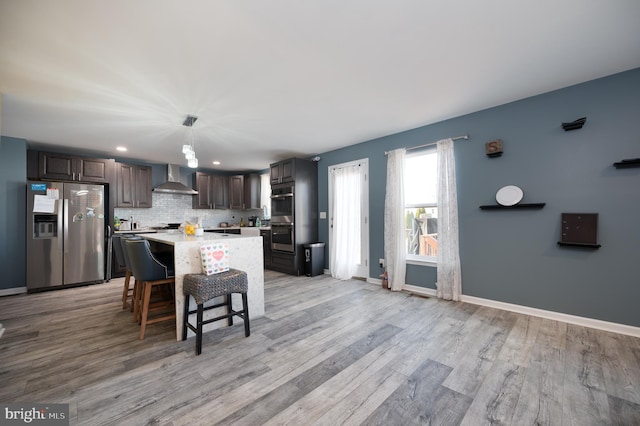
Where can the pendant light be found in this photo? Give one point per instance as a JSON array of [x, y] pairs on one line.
[[189, 149]]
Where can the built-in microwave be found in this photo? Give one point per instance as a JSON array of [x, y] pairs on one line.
[[282, 204], [283, 237]]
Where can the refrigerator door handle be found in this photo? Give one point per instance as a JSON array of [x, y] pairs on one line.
[[60, 224], [66, 225]]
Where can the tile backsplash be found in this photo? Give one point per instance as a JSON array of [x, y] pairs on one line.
[[177, 208]]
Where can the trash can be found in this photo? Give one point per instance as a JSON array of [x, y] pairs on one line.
[[314, 259]]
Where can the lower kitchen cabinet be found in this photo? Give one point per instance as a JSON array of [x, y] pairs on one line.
[[224, 231], [289, 263], [266, 247], [117, 270]]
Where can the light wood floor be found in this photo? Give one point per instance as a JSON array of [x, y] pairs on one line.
[[327, 352]]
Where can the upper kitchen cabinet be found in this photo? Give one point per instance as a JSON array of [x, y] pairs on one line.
[[133, 186], [54, 166], [252, 191], [236, 192], [283, 171], [213, 191]]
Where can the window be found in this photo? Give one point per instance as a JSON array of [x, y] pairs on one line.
[[421, 205], [265, 195]]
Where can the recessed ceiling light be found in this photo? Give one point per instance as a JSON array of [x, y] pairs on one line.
[[216, 163], [121, 148]]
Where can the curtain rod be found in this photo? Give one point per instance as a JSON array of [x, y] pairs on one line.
[[433, 143]]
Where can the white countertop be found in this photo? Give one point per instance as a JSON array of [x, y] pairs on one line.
[[213, 228], [174, 238], [206, 229]]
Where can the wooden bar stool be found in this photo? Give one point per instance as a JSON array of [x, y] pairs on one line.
[[150, 272], [206, 287], [122, 259]]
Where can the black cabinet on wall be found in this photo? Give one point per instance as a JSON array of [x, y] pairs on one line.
[[64, 167], [133, 186], [252, 189], [236, 192], [283, 171], [213, 191]]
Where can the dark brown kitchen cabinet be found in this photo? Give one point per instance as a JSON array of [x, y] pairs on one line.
[[252, 189], [65, 167], [236, 192], [266, 247], [283, 171], [213, 191], [288, 263], [220, 192], [296, 224], [202, 185], [133, 186]]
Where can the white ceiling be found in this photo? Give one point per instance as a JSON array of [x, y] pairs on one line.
[[280, 78]]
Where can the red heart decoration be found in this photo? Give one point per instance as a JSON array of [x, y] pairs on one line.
[[217, 255]]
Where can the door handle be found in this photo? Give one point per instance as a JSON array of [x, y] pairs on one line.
[[61, 213], [66, 225]]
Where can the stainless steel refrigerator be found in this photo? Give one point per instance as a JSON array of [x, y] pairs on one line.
[[65, 234]]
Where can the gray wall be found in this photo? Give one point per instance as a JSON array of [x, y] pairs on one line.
[[512, 256], [13, 178]]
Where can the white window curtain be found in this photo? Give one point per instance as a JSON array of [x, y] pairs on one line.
[[449, 277], [395, 254], [345, 222]]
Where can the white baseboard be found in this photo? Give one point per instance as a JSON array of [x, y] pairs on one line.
[[12, 291], [557, 316]]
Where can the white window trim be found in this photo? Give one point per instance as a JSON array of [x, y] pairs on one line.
[[413, 259]]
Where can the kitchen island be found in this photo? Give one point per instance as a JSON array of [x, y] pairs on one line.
[[245, 254]]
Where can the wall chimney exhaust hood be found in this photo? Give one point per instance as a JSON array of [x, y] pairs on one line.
[[173, 184]]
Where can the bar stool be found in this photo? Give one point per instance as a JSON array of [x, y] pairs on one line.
[[204, 288], [122, 260], [135, 294], [149, 272]]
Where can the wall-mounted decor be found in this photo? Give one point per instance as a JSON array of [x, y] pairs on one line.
[[509, 197], [530, 206], [625, 164], [493, 148], [573, 125], [580, 230]]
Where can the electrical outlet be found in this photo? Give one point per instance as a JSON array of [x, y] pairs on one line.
[[381, 262]]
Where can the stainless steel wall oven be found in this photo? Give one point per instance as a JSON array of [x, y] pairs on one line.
[[283, 237], [282, 204]]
